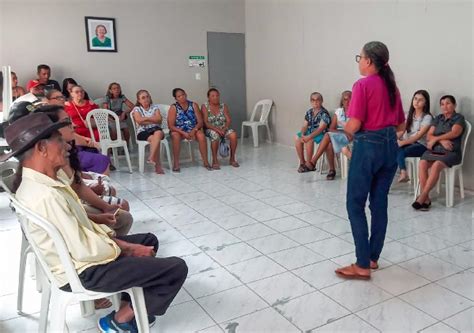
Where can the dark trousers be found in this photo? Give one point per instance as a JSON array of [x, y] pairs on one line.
[[160, 278], [373, 166], [414, 150]]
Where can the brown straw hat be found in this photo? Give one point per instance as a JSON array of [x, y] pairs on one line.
[[25, 132]]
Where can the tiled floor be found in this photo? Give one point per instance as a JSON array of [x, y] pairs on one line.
[[262, 243]]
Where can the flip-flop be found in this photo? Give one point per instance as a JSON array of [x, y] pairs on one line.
[[216, 167], [302, 168], [350, 273], [235, 164], [208, 167], [176, 169], [311, 167], [159, 170]]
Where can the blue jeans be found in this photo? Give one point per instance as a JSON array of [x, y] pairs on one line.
[[414, 150], [373, 166]]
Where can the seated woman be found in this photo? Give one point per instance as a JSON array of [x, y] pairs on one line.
[[335, 140], [412, 142], [90, 158], [217, 120], [185, 122], [316, 123], [444, 149], [147, 116], [17, 91], [115, 101], [68, 84]]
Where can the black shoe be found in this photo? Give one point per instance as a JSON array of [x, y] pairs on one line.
[[425, 206], [111, 167], [417, 206]]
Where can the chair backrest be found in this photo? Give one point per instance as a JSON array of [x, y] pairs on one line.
[[465, 138], [8, 170], [101, 119], [25, 217], [164, 108], [266, 107], [99, 101]]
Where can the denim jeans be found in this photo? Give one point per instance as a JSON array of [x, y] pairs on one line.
[[414, 150], [373, 166]]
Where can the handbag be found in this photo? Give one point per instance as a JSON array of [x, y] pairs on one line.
[[224, 148]]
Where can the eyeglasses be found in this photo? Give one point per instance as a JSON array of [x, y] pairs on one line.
[[59, 98], [358, 57]]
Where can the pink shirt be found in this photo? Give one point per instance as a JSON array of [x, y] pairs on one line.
[[370, 104]]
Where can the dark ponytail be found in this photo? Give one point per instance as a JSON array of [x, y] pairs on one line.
[[378, 53]]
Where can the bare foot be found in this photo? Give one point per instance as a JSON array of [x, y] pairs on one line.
[[235, 164], [403, 177], [102, 303], [216, 166]]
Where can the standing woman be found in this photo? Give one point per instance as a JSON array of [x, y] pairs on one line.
[[376, 114]]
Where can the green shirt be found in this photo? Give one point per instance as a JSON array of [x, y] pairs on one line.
[[106, 43]]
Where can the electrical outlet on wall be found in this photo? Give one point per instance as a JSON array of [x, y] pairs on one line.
[[197, 76]]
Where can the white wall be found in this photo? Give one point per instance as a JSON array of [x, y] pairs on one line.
[[295, 47], [154, 37]]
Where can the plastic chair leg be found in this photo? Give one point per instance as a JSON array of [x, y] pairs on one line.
[[461, 183], [59, 303], [141, 158], [87, 308], [449, 188], [45, 298], [115, 157], [242, 135], [255, 136], [168, 155], [21, 274], [127, 156], [141, 315], [269, 133]]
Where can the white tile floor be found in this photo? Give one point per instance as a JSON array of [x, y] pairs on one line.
[[262, 243]]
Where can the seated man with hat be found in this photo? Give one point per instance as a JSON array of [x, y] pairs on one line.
[[102, 261]]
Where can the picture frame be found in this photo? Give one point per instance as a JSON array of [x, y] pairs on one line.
[[100, 34]]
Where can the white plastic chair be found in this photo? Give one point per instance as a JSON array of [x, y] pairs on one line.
[[61, 299], [7, 176], [266, 106], [412, 166], [101, 118], [450, 173], [143, 143]]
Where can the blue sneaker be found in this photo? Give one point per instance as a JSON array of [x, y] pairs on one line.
[[107, 324]]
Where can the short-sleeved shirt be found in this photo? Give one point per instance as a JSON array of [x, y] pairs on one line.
[[443, 126], [417, 124], [152, 110], [370, 103], [342, 117], [51, 84], [186, 120], [314, 120]]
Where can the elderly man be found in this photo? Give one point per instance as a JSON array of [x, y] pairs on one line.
[[103, 262]]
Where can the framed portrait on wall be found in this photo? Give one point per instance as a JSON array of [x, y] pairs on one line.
[[100, 34]]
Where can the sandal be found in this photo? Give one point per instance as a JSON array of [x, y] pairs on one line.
[[176, 169], [216, 166], [208, 167], [331, 175], [310, 166], [350, 272], [235, 164], [302, 168]]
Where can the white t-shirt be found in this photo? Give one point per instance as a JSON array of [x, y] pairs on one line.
[[416, 126]]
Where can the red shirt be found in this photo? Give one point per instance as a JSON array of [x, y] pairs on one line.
[[78, 116], [370, 103]]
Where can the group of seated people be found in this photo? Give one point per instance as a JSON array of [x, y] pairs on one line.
[[185, 120], [436, 140], [50, 182]]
